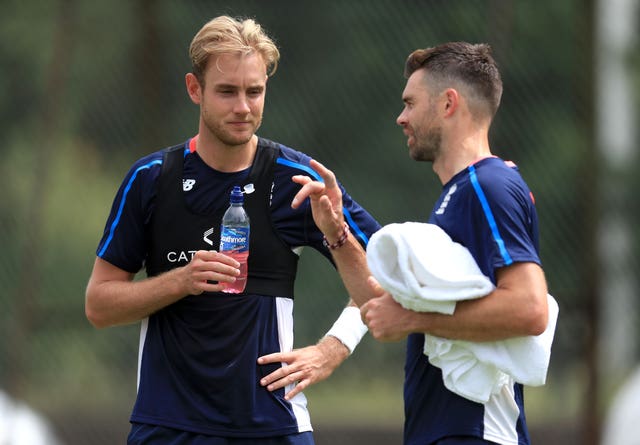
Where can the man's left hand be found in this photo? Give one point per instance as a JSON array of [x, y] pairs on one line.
[[304, 367], [325, 198]]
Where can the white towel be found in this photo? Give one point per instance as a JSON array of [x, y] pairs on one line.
[[425, 271], [423, 268]]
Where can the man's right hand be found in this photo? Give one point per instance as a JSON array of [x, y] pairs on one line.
[[205, 267]]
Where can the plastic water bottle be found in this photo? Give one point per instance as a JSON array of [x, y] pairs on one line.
[[234, 239]]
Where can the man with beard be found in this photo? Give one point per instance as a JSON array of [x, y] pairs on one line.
[[451, 96], [206, 371]]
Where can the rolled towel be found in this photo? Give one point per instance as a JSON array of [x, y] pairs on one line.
[[423, 268], [425, 271]]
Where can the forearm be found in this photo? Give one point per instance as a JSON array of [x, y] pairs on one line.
[[113, 302], [517, 307], [484, 319], [351, 263], [113, 298], [350, 259]]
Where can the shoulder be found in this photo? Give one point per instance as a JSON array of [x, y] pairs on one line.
[[501, 192], [496, 177], [494, 169], [147, 166], [290, 160]]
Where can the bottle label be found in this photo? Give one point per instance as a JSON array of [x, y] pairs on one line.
[[234, 239]]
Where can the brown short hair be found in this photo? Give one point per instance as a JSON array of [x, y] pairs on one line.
[[470, 64]]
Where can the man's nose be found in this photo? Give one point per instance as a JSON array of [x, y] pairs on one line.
[[401, 120], [242, 105]]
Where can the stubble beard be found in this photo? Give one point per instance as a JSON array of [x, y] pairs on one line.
[[227, 137], [428, 148]]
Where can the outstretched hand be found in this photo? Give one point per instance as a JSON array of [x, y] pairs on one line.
[[325, 198]]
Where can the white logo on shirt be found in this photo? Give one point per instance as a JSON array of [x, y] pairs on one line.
[[187, 184], [206, 236], [447, 198]]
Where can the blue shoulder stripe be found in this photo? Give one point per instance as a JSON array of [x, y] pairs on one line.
[[116, 220], [305, 168], [489, 215], [317, 177]]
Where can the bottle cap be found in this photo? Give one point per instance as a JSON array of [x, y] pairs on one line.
[[236, 195]]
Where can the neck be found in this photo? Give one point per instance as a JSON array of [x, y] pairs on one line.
[[458, 154], [226, 158]]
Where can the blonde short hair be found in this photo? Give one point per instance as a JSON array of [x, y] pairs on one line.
[[227, 35]]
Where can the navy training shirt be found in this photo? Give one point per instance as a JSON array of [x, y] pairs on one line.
[[489, 209], [197, 364]]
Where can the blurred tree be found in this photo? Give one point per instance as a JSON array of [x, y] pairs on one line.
[[49, 123]]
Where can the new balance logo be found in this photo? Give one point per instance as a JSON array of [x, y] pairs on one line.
[[187, 184], [206, 236]]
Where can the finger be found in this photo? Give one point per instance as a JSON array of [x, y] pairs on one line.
[[204, 286], [328, 218], [279, 373], [309, 189], [212, 271], [275, 376], [206, 256], [225, 259], [327, 175], [301, 179], [290, 379], [275, 357], [217, 268], [209, 276], [199, 287], [281, 377], [297, 389], [364, 309], [325, 204]]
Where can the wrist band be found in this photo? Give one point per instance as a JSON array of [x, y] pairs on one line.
[[341, 240], [349, 328]]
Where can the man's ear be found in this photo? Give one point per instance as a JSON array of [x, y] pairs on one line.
[[452, 101], [193, 88]]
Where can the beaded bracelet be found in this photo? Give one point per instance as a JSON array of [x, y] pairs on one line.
[[341, 240]]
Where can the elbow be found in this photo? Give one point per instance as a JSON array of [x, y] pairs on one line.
[[538, 318], [94, 318], [93, 314], [538, 327]]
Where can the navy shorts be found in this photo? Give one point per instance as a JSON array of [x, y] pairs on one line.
[[142, 434], [463, 440]]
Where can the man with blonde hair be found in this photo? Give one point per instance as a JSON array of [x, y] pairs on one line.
[[218, 368]]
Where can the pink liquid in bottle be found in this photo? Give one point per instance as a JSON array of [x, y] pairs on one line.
[[241, 280]]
